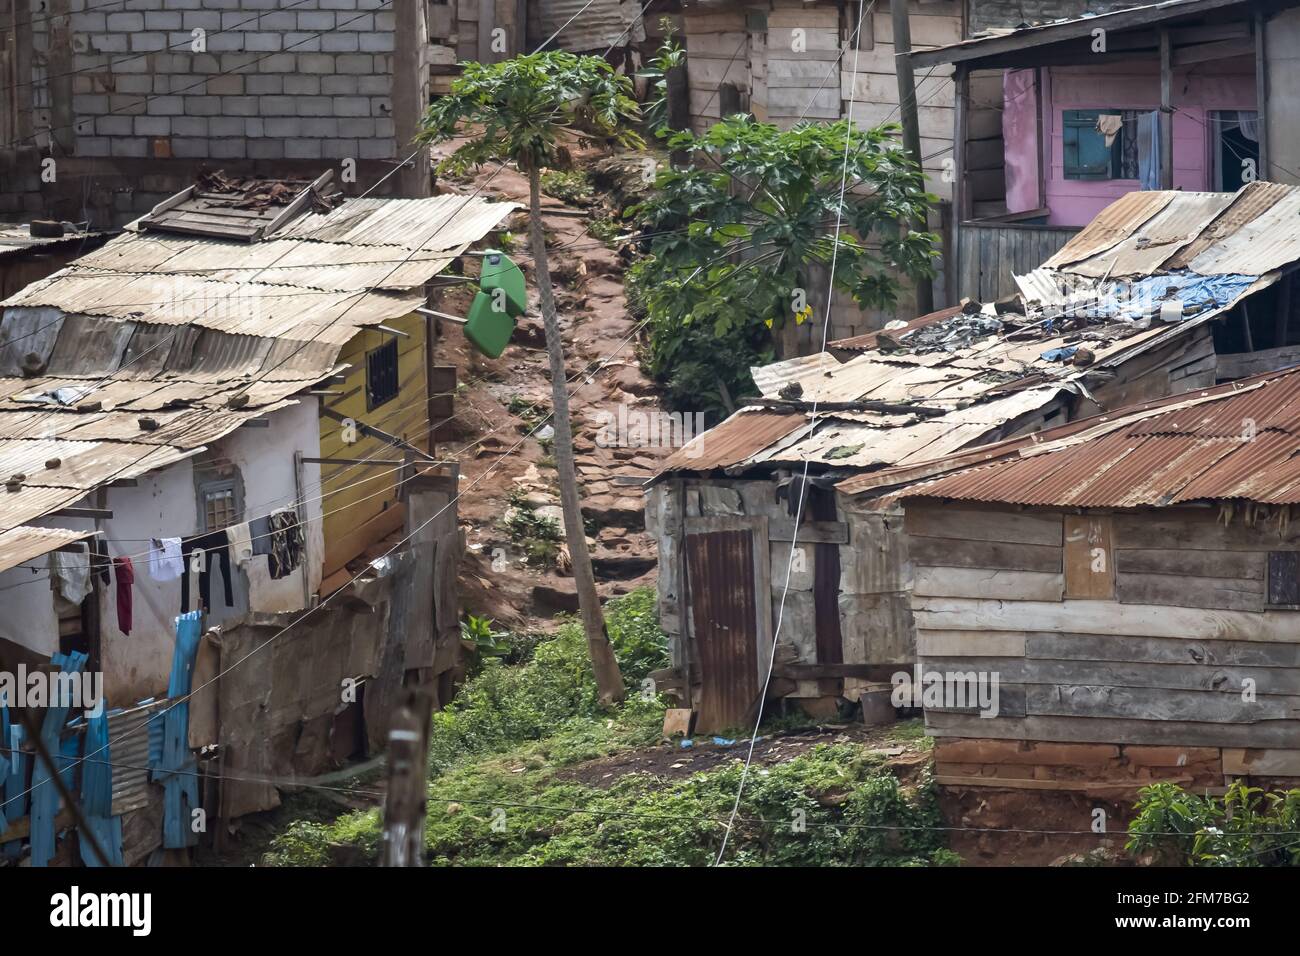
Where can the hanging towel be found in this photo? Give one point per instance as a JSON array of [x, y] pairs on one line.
[[71, 571], [165, 559], [241, 543], [125, 575]]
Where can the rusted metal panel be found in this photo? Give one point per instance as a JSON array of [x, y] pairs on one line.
[[1269, 241], [732, 441], [725, 627], [1253, 200], [1230, 442], [585, 26]]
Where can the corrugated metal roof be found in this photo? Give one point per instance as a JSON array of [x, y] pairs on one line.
[[732, 441], [173, 327], [16, 240], [962, 377], [22, 544], [1238, 441]]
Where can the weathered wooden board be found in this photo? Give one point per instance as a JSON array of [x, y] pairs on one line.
[[1089, 557], [1231, 594], [1204, 564], [955, 553], [1199, 677], [1197, 529], [1262, 763], [1091, 700], [930, 522], [969, 644], [1008, 702], [990, 584], [1266, 734], [1104, 617], [1159, 650]]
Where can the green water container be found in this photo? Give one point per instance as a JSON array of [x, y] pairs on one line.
[[487, 328], [500, 273]]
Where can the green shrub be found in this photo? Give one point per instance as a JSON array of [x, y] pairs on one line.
[[1247, 826]]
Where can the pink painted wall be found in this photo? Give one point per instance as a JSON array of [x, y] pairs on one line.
[[1020, 139], [1219, 85]]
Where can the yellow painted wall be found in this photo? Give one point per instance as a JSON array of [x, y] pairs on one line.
[[361, 506]]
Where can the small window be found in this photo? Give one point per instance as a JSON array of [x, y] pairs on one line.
[[220, 509], [1102, 144], [1284, 579], [381, 374]]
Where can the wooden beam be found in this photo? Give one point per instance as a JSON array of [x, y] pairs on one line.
[[1261, 93], [1036, 37], [83, 513], [378, 462], [1166, 115], [1205, 52]]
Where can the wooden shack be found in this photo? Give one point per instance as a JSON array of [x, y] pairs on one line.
[[1132, 581]]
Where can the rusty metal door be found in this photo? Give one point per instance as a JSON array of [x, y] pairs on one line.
[[720, 568]]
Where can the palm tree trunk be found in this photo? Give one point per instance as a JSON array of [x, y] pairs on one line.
[[609, 681]]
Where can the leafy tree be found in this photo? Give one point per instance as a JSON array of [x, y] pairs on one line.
[[739, 235], [524, 110]]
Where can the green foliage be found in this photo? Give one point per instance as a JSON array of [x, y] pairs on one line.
[[536, 535], [606, 229], [743, 231], [522, 107], [1247, 826], [571, 186], [670, 55]]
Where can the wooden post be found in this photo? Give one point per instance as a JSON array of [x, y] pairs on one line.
[[907, 109], [1261, 94], [1166, 111], [679, 109], [961, 210]]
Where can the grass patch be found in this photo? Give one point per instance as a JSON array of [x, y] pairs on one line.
[[569, 186], [499, 795]]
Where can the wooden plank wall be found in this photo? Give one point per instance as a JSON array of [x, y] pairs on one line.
[[875, 92], [992, 253], [367, 509], [717, 46], [1165, 653]]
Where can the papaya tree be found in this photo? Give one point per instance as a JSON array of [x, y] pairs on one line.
[[739, 234], [528, 110]]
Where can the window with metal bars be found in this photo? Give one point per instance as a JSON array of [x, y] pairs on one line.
[[381, 374]]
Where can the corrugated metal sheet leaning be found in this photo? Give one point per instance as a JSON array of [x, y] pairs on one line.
[[139, 354]]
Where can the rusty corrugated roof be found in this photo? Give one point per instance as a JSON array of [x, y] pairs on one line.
[[734, 440], [1237, 441]]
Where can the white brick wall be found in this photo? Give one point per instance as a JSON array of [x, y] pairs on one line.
[[287, 92]]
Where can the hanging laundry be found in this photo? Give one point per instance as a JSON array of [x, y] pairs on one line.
[[165, 559], [259, 530], [124, 571], [241, 543], [1109, 125], [71, 572], [206, 547], [99, 561], [286, 543]]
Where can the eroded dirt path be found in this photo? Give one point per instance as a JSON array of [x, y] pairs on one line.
[[492, 415]]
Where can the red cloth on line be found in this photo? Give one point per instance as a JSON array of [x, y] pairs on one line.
[[125, 575]]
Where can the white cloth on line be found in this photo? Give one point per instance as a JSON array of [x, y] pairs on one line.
[[241, 543], [165, 562], [71, 570]]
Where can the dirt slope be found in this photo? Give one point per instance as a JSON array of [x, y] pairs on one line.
[[492, 416]]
